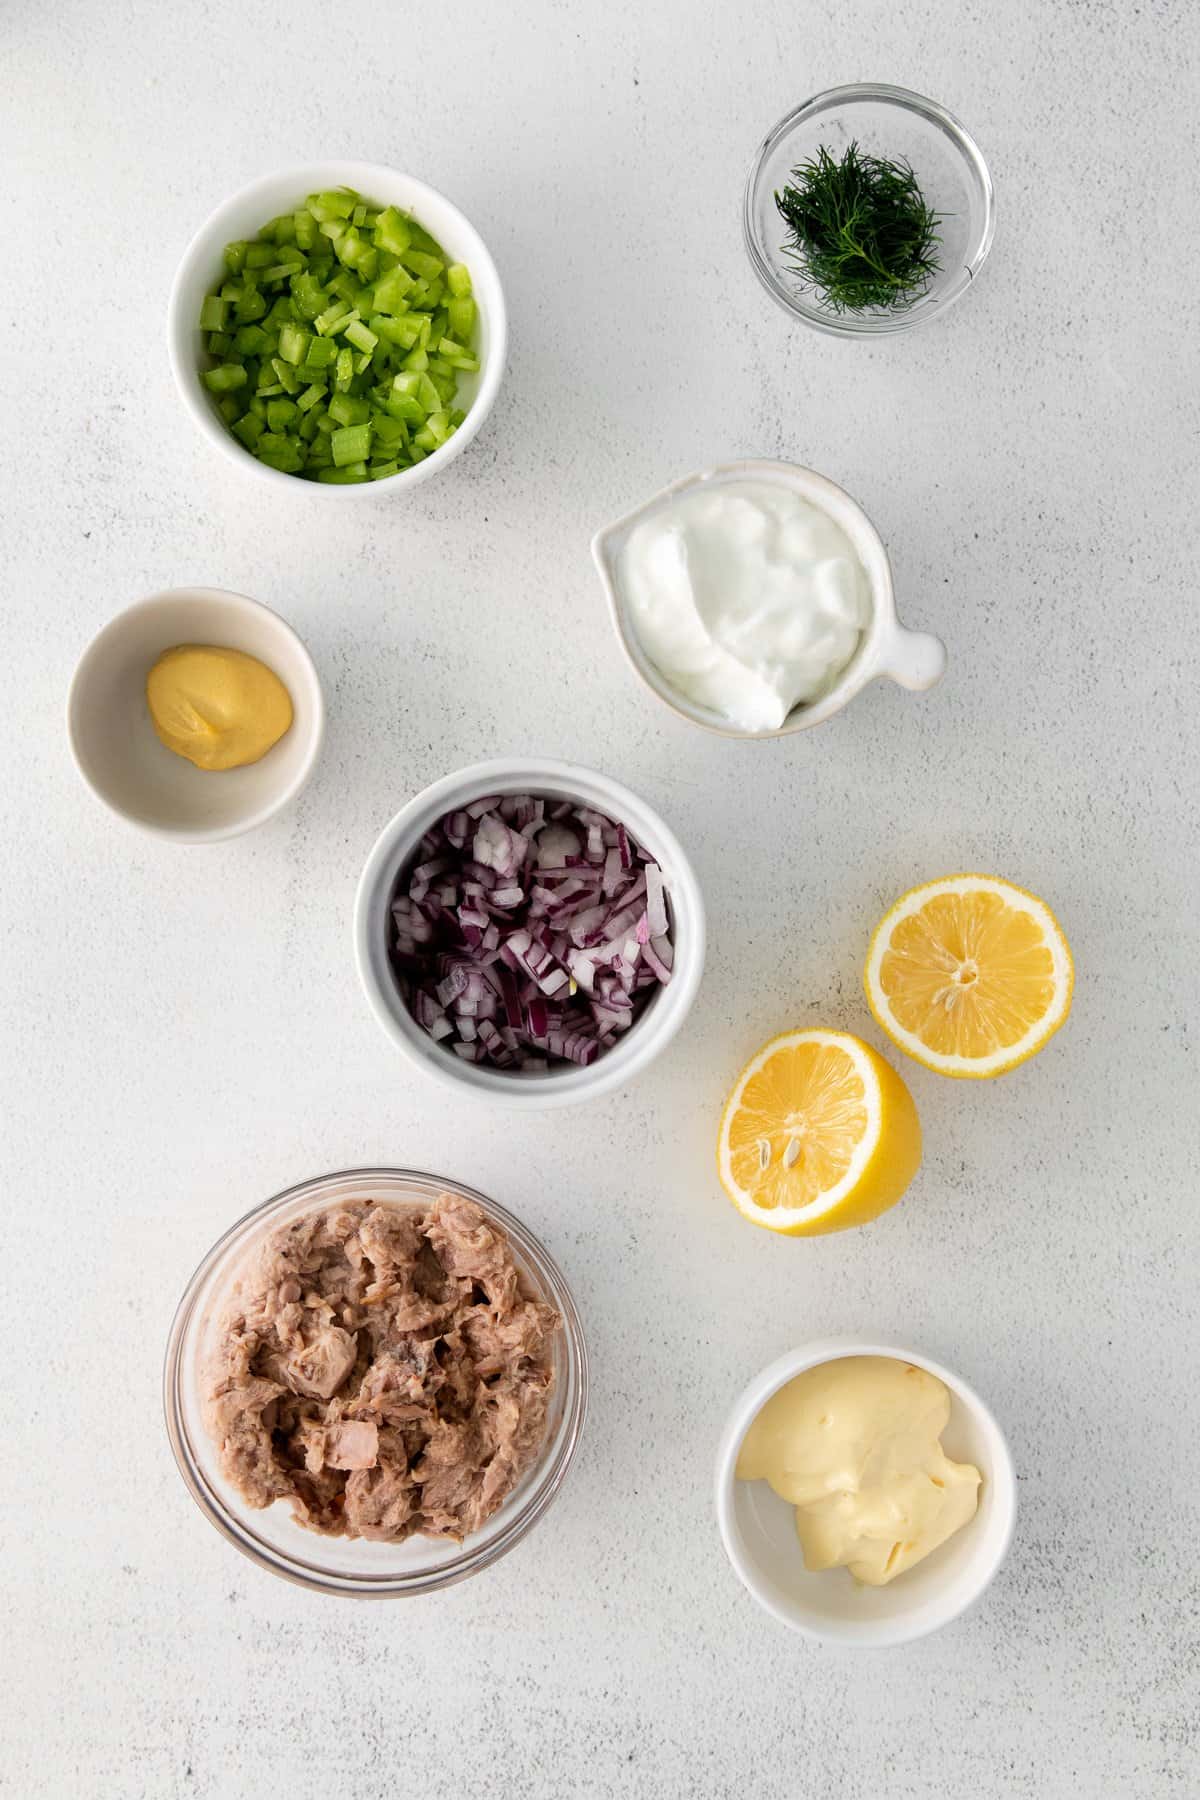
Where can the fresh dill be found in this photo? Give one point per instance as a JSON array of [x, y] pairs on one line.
[[860, 233]]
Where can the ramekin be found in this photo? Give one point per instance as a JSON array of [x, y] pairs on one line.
[[659, 1020], [759, 1533], [118, 752], [243, 215]]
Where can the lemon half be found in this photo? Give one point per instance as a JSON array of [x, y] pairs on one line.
[[970, 975], [818, 1134]]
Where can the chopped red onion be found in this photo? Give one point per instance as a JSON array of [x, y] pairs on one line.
[[529, 932]]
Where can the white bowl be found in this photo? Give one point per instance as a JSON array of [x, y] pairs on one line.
[[916, 659], [758, 1529], [663, 1014], [244, 215], [118, 752]]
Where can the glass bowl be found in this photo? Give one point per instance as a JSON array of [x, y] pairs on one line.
[[359, 1566], [886, 121]]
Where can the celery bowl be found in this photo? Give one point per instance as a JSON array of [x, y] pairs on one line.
[[243, 216]]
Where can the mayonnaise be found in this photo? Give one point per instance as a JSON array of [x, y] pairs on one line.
[[854, 1445], [219, 708], [746, 597]]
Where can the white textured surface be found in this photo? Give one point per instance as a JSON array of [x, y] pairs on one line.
[[182, 1031]]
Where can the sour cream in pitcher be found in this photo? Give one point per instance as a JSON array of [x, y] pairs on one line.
[[746, 597]]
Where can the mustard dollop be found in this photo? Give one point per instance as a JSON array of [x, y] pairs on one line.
[[219, 708]]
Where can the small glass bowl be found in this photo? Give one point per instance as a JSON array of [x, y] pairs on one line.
[[360, 1566], [885, 121]]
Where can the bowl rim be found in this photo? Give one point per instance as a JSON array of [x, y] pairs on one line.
[[645, 1039], [340, 173], [881, 324], [195, 834], [309, 1575], [860, 1634], [917, 659]]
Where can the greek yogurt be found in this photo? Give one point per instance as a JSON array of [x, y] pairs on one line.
[[746, 597]]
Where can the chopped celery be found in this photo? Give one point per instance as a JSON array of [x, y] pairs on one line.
[[293, 343], [282, 413], [460, 315], [389, 431], [394, 330], [224, 377], [356, 471], [288, 461], [251, 306], [285, 375], [337, 340], [249, 429], [393, 232], [420, 264], [338, 203], [327, 321], [350, 248], [345, 285], [349, 409], [458, 354], [390, 290], [308, 296], [351, 444], [358, 335], [250, 340]]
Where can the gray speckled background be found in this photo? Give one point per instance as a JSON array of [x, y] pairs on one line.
[[182, 1030]]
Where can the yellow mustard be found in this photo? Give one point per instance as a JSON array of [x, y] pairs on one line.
[[855, 1446], [219, 708]]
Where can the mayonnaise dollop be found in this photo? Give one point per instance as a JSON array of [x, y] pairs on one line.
[[855, 1446], [746, 597]]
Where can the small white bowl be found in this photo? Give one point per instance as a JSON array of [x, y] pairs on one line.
[[118, 752], [758, 1529], [916, 659], [244, 215], [663, 1014]]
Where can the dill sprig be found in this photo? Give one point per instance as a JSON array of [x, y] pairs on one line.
[[861, 234]]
